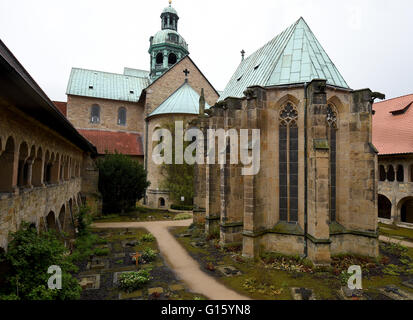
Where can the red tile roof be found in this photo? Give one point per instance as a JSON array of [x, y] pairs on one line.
[[393, 131], [122, 142], [61, 106]]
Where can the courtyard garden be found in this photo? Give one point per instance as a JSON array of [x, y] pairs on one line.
[[112, 273], [279, 277]]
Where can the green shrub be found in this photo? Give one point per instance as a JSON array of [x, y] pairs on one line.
[[183, 216], [148, 237], [148, 255], [344, 277], [182, 207], [132, 281], [122, 181], [9, 297], [83, 219], [30, 255], [101, 252]]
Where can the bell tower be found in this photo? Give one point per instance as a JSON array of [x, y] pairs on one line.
[[167, 46]]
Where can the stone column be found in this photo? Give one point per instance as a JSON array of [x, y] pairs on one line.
[[255, 99], [212, 186], [200, 177], [318, 236], [232, 205], [29, 173]]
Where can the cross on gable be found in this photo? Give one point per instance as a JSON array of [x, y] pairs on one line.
[[186, 71]]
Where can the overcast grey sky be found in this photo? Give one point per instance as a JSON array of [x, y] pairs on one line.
[[370, 41]]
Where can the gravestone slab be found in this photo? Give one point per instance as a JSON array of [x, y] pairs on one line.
[[408, 283], [198, 244], [119, 255], [130, 243], [228, 271], [97, 264], [395, 293], [90, 282], [131, 295], [177, 287], [155, 290], [349, 294], [302, 294]]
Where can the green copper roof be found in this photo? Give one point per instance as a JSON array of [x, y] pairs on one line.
[[183, 100], [170, 9], [294, 56], [105, 85], [162, 37], [135, 72]]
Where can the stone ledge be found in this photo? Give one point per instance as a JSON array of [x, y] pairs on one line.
[[283, 228], [317, 241], [212, 218], [231, 225], [337, 229]]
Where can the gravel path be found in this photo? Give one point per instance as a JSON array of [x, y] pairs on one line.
[[179, 260]]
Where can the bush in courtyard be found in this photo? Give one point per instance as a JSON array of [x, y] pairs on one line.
[[131, 281], [148, 255], [101, 252], [148, 237], [122, 181], [182, 207], [30, 254], [183, 216], [83, 220]]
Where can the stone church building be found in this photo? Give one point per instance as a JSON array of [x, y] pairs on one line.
[[120, 112], [316, 194], [316, 191]]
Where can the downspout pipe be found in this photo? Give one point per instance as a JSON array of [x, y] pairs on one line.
[[305, 171]]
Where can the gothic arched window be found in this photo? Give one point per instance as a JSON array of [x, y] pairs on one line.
[[288, 162], [122, 116], [332, 139], [95, 114]]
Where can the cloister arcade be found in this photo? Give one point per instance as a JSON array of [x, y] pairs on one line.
[[395, 200]]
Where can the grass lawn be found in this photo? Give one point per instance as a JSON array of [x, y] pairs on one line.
[[265, 279], [392, 231]]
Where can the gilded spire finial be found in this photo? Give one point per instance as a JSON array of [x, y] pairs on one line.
[[170, 2]]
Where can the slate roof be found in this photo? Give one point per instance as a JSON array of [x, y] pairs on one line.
[[105, 85], [184, 100], [393, 126], [294, 56], [110, 141]]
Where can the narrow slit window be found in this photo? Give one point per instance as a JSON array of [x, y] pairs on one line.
[[95, 114], [122, 116], [288, 164]]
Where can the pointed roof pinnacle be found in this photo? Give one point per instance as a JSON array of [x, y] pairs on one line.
[[294, 56]]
